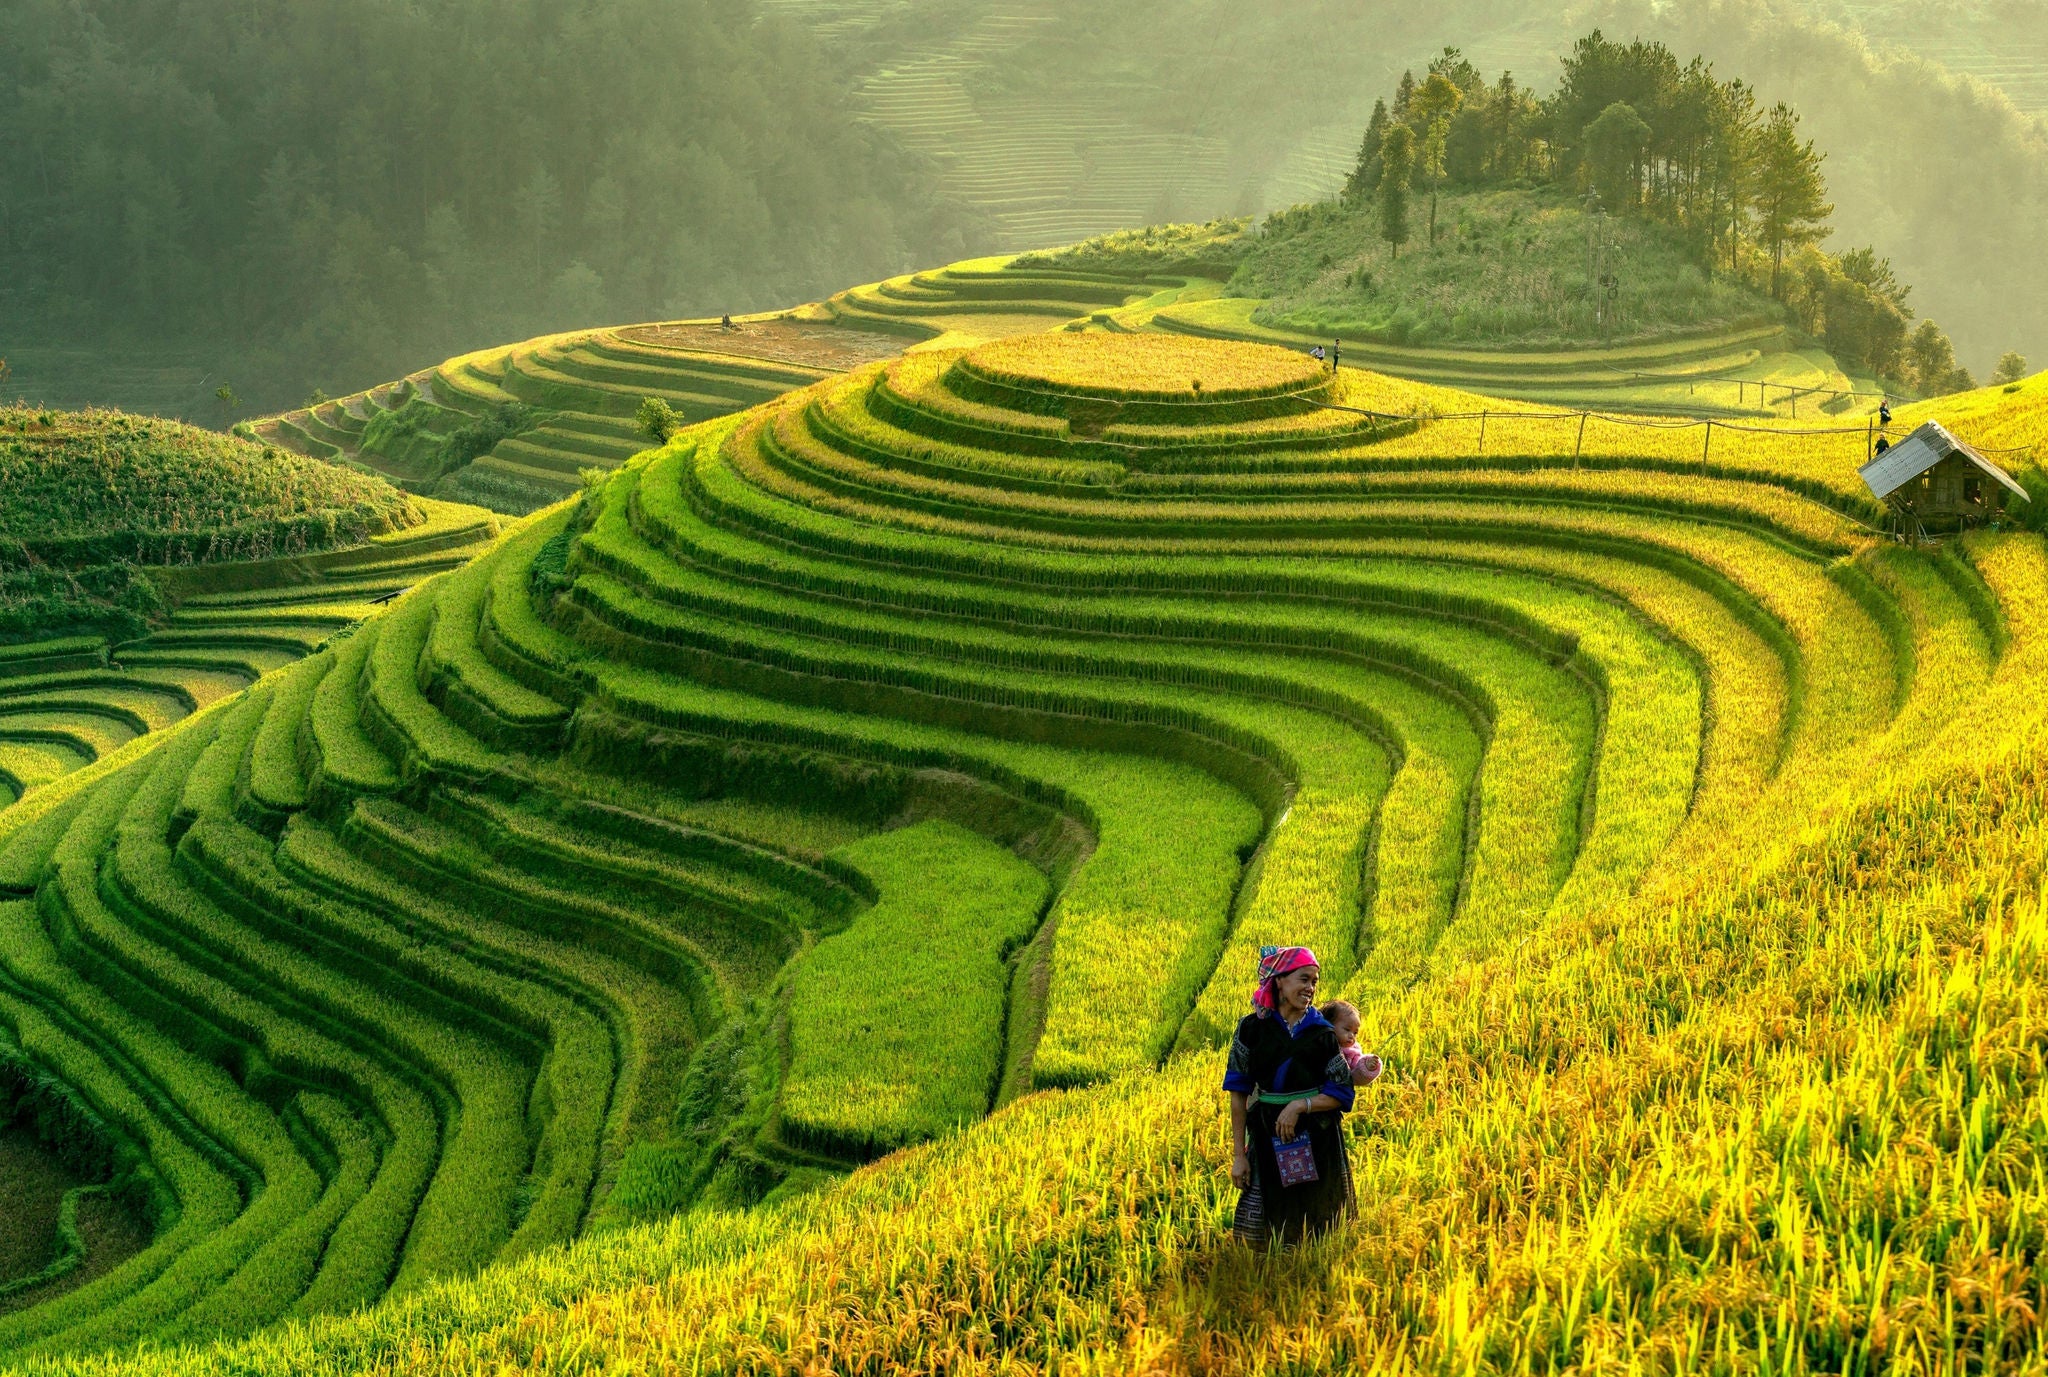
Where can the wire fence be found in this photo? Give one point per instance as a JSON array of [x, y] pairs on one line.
[[1792, 392], [1869, 433]]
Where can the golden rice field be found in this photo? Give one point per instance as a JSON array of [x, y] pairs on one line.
[[780, 910]]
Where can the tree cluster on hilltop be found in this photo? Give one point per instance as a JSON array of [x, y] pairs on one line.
[[339, 189], [1640, 134]]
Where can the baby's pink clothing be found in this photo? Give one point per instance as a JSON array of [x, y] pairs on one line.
[[1365, 1067]]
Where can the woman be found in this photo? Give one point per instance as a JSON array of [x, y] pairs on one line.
[[1289, 1085]]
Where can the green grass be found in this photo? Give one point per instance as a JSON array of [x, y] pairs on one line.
[[87, 487], [1508, 269]]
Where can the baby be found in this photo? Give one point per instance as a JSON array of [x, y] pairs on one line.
[[1342, 1015]]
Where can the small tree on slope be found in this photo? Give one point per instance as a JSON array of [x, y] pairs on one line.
[[1397, 165], [1435, 103]]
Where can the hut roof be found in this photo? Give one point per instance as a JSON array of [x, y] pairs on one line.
[[1921, 451]]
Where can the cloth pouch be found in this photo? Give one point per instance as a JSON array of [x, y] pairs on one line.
[[1297, 1161]]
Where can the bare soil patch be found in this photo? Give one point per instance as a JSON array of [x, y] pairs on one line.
[[781, 341]]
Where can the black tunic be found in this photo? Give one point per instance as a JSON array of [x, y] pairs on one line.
[[1267, 1057]]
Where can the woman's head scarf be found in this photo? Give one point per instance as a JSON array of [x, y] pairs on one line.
[[1275, 962]]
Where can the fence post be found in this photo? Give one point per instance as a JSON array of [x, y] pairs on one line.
[[1579, 448], [1709, 444], [1869, 440], [1482, 434]]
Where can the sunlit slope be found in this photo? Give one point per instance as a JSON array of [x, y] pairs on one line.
[[597, 879], [1752, 370], [516, 427]]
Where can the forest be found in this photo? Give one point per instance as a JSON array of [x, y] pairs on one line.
[[332, 191]]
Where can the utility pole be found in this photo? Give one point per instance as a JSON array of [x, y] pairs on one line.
[[1604, 286]]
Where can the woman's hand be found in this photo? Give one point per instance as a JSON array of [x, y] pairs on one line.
[[1241, 1170], [1289, 1116]]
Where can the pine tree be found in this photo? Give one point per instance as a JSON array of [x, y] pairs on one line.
[[1366, 175], [1791, 196]]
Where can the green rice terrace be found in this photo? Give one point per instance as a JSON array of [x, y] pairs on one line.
[[780, 906], [515, 428], [150, 569]]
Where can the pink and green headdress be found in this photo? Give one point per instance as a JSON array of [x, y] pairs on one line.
[[1275, 962]]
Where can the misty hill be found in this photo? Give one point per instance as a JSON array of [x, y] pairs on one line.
[[326, 194], [255, 212], [1027, 107]]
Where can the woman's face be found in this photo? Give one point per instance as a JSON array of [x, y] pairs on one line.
[[1297, 989]]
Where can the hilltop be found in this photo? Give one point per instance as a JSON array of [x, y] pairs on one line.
[[1508, 271], [149, 569], [91, 498]]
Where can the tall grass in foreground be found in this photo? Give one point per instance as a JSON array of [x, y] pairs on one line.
[[1785, 1122]]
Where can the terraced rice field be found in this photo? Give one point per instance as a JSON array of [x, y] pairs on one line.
[[1999, 49], [584, 388], [822, 782], [70, 702], [1752, 370]]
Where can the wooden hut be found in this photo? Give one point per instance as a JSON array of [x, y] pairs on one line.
[[1934, 482]]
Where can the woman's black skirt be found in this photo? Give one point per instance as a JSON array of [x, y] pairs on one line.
[[1269, 1213]]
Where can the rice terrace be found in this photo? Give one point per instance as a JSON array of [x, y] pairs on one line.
[[996, 715]]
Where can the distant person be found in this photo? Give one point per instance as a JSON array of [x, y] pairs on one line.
[[1343, 1016], [1883, 444], [1318, 353], [1289, 1085], [1884, 412], [725, 322]]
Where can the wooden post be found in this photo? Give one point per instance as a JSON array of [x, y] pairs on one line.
[[1709, 444], [1482, 434], [1579, 448], [1870, 440]]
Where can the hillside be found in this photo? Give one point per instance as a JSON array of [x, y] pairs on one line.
[[849, 770], [92, 497], [1039, 115], [245, 216], [149, 569], [517, 427], [1508, 271]]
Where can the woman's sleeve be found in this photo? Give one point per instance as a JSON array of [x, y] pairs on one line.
[[1237, 1072], [1337, 1080]]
